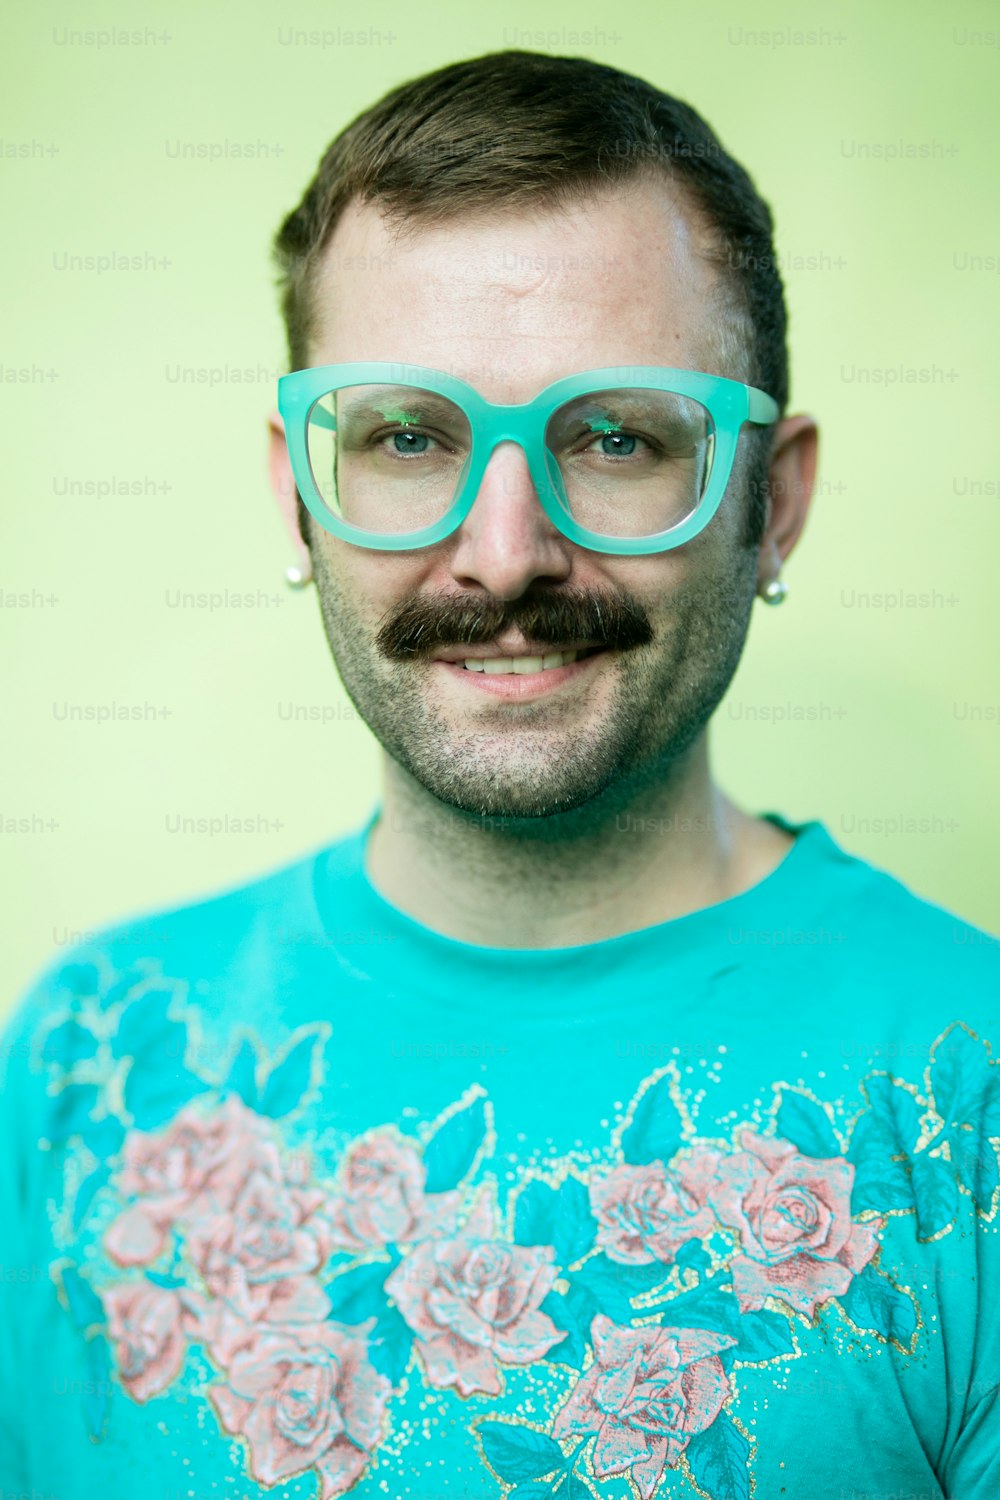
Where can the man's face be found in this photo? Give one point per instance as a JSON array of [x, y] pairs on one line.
[[510, 303]]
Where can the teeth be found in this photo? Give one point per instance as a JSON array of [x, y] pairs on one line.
[[523, 666]]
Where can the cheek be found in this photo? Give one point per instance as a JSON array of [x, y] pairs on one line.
[[653, 583], [369, 590], [715, 562]]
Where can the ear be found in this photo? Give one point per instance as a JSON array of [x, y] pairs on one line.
[[791, 478], [283, 484]]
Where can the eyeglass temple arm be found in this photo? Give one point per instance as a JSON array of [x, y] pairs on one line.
[[322, 418], [762, 408]]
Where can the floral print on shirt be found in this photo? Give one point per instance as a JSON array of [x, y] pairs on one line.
[[648, 1283]]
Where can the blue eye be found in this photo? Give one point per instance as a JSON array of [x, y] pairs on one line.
[[620, 445], [410, 438], [619, 438]]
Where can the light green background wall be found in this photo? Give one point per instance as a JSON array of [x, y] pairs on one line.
[[874, 140]]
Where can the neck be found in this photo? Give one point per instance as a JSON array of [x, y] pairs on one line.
[[628, 860]]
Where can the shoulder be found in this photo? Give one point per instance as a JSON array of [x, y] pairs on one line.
[[880, 910], [161, 953]]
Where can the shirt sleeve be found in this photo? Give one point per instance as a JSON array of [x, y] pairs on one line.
[[18, 1267], [971, 1470]]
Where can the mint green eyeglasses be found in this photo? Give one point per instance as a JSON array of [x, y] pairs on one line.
[[627, 459]]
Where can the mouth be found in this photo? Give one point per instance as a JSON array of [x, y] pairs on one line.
[[526, 665], [516, 656], [523, 679]]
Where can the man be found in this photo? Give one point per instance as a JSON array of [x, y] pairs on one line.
[[565, 1129]]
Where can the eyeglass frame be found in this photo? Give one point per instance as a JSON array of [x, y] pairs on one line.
[[729, 403]]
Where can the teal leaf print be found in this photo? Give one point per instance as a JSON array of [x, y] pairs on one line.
[[707, 1306], [69, 1043], [975, 1161], [693, 1256], [168, 1283], [70, 1111], [611, 1286], [655, 1131], [991, 1106], [575, 1488], [389, 1344], [242, 1078], [632, 1280], [155, 1091], [806, 1124], [875, 1305], [896, 1111], [574, 1311], [519, 1453], [879, 1181], [86, 1192], [103, 1137], [719, 1460], [145, 1030], [357, 1295], [452, 1148], [935, 1192], [763, 1336], [560, 1217], [964, 1082], [97, 1390], [83, 981], [600, 1285], [85, 1306], [289, 1079]]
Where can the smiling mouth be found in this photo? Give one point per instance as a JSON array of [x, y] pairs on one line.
[[526, 666]]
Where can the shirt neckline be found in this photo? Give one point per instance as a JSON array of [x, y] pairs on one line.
[[385, 938]]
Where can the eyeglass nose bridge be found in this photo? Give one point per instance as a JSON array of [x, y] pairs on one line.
[[515, 424]]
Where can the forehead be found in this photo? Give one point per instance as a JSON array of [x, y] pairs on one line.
[[513, 299]]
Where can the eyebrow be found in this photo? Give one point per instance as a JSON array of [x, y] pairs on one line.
[[396, 403], [619, 407]]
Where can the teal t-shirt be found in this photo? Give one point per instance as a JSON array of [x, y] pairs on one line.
[[301, 1198]]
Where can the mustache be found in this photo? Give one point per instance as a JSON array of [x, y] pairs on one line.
[[424, 624]]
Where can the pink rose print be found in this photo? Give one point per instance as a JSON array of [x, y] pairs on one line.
[[647, 1213], [382, 1200], [261, 1255], [196, 1165], [648, 1392], [214, 1323], [302, 1399], [793, 1214], [147, 1325], [472, 1299]]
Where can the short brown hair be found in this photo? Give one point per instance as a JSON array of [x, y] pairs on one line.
[[519, 128]]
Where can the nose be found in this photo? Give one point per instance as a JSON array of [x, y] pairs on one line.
[[507, 540]]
